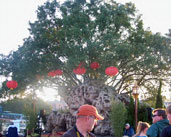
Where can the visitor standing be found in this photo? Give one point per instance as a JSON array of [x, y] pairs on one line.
[[129, 131], [86, 119], [159, 123], [142, 129]]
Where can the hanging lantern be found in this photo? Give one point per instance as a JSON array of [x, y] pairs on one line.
[[12, 84], [111, 71], [58, 72], [51, 74], [94, 65], [79, 71], [55, 72]]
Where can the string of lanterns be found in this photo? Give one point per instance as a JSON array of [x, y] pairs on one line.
[[80, 70]]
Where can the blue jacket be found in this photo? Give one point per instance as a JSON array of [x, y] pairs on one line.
[[129, 132], [156, 128], [12, 132]]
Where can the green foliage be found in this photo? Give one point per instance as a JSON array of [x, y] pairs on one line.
[[131, 112], [159, 101], [143, 113], [17, 105], [150, 101], [78, 31], [33, 135], [118, 117], [0, 125], [155, 97], [32, 117]]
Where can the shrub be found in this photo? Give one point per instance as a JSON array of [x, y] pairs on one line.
[[118, 117], [131, 112]]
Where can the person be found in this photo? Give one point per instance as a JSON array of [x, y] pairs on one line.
[[41, 122], [142, 129], [166, 132], [86, 119], [12, 132], [159, 123], [129, 131]]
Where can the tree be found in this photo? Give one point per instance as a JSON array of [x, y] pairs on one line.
[[78, 31], [151, 99], [143, 113], [159, 101], [118, 117]]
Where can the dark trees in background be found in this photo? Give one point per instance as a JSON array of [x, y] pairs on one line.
[[159, 101]]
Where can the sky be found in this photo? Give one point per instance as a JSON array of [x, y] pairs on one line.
[[15, 16], [14, 22]]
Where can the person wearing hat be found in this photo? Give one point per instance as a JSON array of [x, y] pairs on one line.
[[87, 117], [129, 131]]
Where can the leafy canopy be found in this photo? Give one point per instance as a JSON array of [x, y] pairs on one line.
[[66, 34]]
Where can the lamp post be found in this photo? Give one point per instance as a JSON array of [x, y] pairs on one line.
[[135, 95]]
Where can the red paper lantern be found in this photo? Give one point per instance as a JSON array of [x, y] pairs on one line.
[[94, 65], [111, 71], [51, 74], [12, 84], [55, 72], [79, 71], [58, 72]]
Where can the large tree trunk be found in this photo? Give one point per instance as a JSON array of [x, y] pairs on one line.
[[97, 94]]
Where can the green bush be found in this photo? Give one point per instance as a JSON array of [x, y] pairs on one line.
[[131, 112], [118, 117], [32, 117], [33, 135], [143, 113]]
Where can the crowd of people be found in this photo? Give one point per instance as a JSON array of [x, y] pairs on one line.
[[87, 117], [160, 128]]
